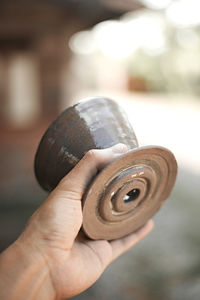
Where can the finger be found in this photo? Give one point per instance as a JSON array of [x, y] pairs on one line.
[[122, 245], [93, 161]]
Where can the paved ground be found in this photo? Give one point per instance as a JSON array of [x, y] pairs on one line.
[[166, 265]]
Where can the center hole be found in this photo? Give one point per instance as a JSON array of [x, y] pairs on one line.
[[131, 196]]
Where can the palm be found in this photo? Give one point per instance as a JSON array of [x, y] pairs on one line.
[[86, 264], [73, 271]]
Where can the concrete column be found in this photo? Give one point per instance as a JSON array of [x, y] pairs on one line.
[[23, 90], [3, 88]]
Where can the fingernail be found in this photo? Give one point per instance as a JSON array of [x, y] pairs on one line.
[[119, 148]]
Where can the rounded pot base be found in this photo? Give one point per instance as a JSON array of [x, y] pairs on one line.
[[128, 192]]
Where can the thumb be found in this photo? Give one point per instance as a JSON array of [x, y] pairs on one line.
[[93, 161]]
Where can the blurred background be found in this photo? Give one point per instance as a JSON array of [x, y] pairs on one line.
[[144, 54]]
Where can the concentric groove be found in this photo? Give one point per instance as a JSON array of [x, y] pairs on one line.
[[151, 170]]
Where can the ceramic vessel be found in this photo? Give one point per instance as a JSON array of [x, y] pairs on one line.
[[130, 190]]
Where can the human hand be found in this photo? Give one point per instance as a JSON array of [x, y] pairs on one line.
[[66, 261]]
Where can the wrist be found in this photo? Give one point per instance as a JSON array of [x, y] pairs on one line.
[[24, 274]]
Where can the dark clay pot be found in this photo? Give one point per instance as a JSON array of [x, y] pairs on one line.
[[130, 190], [98, 123]]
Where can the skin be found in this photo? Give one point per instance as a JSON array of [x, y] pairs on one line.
[[52, 258]]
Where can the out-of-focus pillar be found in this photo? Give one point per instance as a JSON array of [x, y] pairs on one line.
[[23, 107], [3, 88], [55, 56]]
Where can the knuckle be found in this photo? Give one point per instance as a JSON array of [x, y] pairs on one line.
[[92, 154]]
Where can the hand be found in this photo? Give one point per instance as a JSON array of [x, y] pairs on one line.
[[66, 261]]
